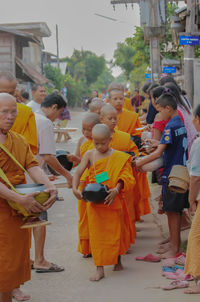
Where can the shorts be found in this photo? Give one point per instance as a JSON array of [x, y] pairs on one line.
[[44, 216], [172, 201]]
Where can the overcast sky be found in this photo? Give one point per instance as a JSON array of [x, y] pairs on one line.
[[78, 26]]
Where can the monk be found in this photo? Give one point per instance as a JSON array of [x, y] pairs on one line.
[[127, 101], [14, 242], [85, 143], [108, 237], [96, 105], [25, 121], [121, 141], [129, 122]]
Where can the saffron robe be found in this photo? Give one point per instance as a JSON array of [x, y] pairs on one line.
[[83, 245], [128, 122], [25, 125], [14, 242], [127, 104], [121, 141], [109, 226]]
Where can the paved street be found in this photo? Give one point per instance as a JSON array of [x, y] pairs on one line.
[[139, 280]]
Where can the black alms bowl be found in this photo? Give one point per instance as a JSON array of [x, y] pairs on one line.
[[95, 193]]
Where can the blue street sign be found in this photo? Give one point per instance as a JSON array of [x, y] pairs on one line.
[[147, 75], [189, 40], [169, 69]]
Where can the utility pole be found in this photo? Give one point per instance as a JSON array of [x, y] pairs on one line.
[[57, 47], [191, 28]]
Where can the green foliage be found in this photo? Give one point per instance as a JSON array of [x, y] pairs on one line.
[[123, 58], [55, 76], [103, 80], [85, 71]]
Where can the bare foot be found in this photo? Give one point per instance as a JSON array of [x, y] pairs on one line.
[[168, 254], [163, 241], [118, 267], [44, 264], [193, 290], [99, 274], [20, 295], [138, 229], [164, 248]]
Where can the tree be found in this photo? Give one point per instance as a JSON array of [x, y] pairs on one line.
[[104, 80], [123, 58], [55, 76]]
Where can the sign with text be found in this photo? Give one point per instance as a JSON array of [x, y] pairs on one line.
[[189, 40], [169, 69], [147, 75]]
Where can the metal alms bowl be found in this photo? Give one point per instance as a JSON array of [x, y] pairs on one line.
[[31, 188], [95, 193]]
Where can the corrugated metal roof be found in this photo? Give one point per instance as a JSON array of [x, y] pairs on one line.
[[31, 72], [20, 33]]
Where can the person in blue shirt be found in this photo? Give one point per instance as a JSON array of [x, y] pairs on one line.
[[173, 146]]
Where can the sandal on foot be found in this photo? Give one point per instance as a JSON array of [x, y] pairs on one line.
[[176, 284], [54, 268]]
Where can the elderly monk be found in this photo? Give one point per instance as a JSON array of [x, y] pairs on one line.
[[25, 121], [14, 241]]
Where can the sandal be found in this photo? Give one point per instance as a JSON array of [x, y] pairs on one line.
[[176, 284], [149, 258], [54, 268]]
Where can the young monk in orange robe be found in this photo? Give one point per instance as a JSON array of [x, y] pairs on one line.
[[107, 233], [128, 122], [127, 102], [84, 144], [14, 242], [121, 141], [96, 105]]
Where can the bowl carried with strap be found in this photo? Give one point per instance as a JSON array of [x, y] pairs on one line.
[[31, 220]]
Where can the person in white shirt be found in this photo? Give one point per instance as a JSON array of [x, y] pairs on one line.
[[39, 93], [51, 107]]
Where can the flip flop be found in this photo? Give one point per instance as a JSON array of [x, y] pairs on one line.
[[176, 284], [54, 268], [168, 269], [149, 258], [181, 260]]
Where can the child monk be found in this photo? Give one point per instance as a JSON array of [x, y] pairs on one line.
[[105, 221], [129, 122], [96, 105], [127, 101], [89, 121], [120, 141]]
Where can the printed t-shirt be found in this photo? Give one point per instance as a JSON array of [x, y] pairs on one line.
[[176, 152]]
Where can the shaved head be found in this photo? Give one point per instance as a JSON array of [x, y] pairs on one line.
[[6, 97], [116, 86], [101, 131], [107, 109], [8, 82], [96, 105], [8, 112], [91, 119]]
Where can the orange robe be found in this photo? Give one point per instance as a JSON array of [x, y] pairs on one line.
[[121, 141], [25, 125], [128, 122], [127, 104], [83, 245], [109, 226], [14, 242]]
